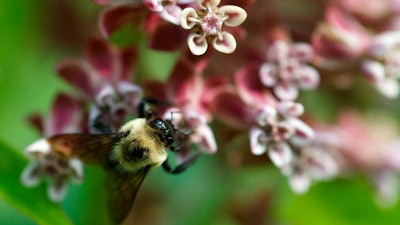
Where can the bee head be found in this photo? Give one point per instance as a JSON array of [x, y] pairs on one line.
[[164, 130]]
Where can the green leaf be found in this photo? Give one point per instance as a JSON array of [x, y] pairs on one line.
[[33, 202]]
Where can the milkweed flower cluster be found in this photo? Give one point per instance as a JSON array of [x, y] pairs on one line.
[[281, 75]]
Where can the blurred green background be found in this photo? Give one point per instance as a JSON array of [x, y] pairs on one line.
[[34, 36]]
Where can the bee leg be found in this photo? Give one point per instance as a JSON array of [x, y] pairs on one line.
[[181, 167], [99, 125]]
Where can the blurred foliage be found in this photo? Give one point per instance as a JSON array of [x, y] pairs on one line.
[[34, 37]]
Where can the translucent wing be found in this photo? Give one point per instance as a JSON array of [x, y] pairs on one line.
[[90, 148], [122, 189]]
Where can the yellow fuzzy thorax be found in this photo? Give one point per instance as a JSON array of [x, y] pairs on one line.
[[141, 135]]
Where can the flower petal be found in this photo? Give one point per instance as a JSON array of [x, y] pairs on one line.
[[208, 3], [302, 132], [257, 148], [209, 145], [307, 77], [128, 57], [373, 70], [302, 52], [388, 87], [250, 88], [30, 177], [41, 146], [290, 109], [186, 84], [235, 14], [300, 183], [227, 45], [100, 58], [384, 42], [268, 74], [266, 115], [172, 13], [186, 14], [228, 106], [74, 73], [77, 166], [64, 117], [280, 154], [115, 17], [197, 44], [154, 5], [166, 37], [286, 91], [279, 51], [57, 191]]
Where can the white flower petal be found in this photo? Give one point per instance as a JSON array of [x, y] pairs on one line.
[[77, 167], [300, 183], [384, 42], [302, 132], [57, 192], [208, 3], [387, 185], [227, 45], [279, 51], [171, 13], [187, 13], [235, 14], [154, 5], [41, 146], [307, 77], [290, 109], [286, 92], [388, 87], [268, 74], [30, 176], [209, 145], [373, 70], [302, 52], [266, 115], [197, 44], [280, 154], [256, 147]]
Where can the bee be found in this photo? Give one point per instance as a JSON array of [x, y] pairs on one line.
[[127, 155]]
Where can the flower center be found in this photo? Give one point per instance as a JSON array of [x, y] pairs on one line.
[[211, 23]]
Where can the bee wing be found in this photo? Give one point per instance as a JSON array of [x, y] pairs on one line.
[[122, 189], [90, 148]]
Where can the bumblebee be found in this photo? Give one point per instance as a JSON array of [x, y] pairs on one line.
[[127, 155]]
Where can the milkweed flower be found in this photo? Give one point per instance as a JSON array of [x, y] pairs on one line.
[[279, 128], [207, 23], [56, 170], [383, 68], [286, 70], [104, 77]]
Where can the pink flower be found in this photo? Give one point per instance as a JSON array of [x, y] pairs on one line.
[[207, 24], [104, 77], [278, 128], [339, 40], [66, 117], [371, 145], [286, 70], [190, 97], [383, 70]]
